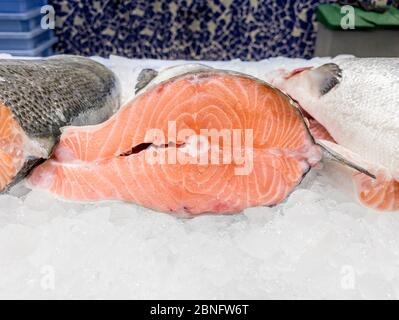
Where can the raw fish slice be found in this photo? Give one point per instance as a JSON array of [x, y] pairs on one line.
[[111, 160], [11, 140]]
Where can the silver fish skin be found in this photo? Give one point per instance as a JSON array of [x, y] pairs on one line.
[[357, 101], [44, 96]]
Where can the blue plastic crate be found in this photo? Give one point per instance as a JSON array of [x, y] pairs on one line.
[[20, 22], [14, 6], [44, 50], [24, 40]]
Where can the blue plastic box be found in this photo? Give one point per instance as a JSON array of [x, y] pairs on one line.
[[43, 50], [20, 22], [14, 6], [24, 40]]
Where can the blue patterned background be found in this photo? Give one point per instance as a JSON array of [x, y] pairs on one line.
[[183, 29]]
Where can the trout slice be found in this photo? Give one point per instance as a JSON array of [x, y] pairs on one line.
[[125, 159]]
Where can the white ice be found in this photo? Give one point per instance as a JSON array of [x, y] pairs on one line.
[[318, 244]]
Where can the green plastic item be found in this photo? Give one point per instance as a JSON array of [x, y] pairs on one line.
[[330, 16]]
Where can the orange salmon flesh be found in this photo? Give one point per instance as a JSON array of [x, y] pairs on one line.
[[11, 147], [110, 161]]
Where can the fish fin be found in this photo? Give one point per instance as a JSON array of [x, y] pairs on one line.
[[144, 78], [327, 77], [347, 157]]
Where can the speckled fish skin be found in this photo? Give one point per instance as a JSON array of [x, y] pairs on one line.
[[39, 97], [358, 104]]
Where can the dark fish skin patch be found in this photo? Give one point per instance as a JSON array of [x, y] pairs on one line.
[[328, 85], [332, 75], [45, 95], [144, 78]]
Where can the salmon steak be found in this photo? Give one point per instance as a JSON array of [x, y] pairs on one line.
[[38, 98], [194, 140]]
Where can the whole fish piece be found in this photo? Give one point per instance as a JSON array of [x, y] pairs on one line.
[[38, 98], [357, 101], [139, 154]]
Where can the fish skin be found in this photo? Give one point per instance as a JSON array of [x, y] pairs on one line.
[[149, 78], [55, 92], [46, 95], [144, 78], [358, 106]]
